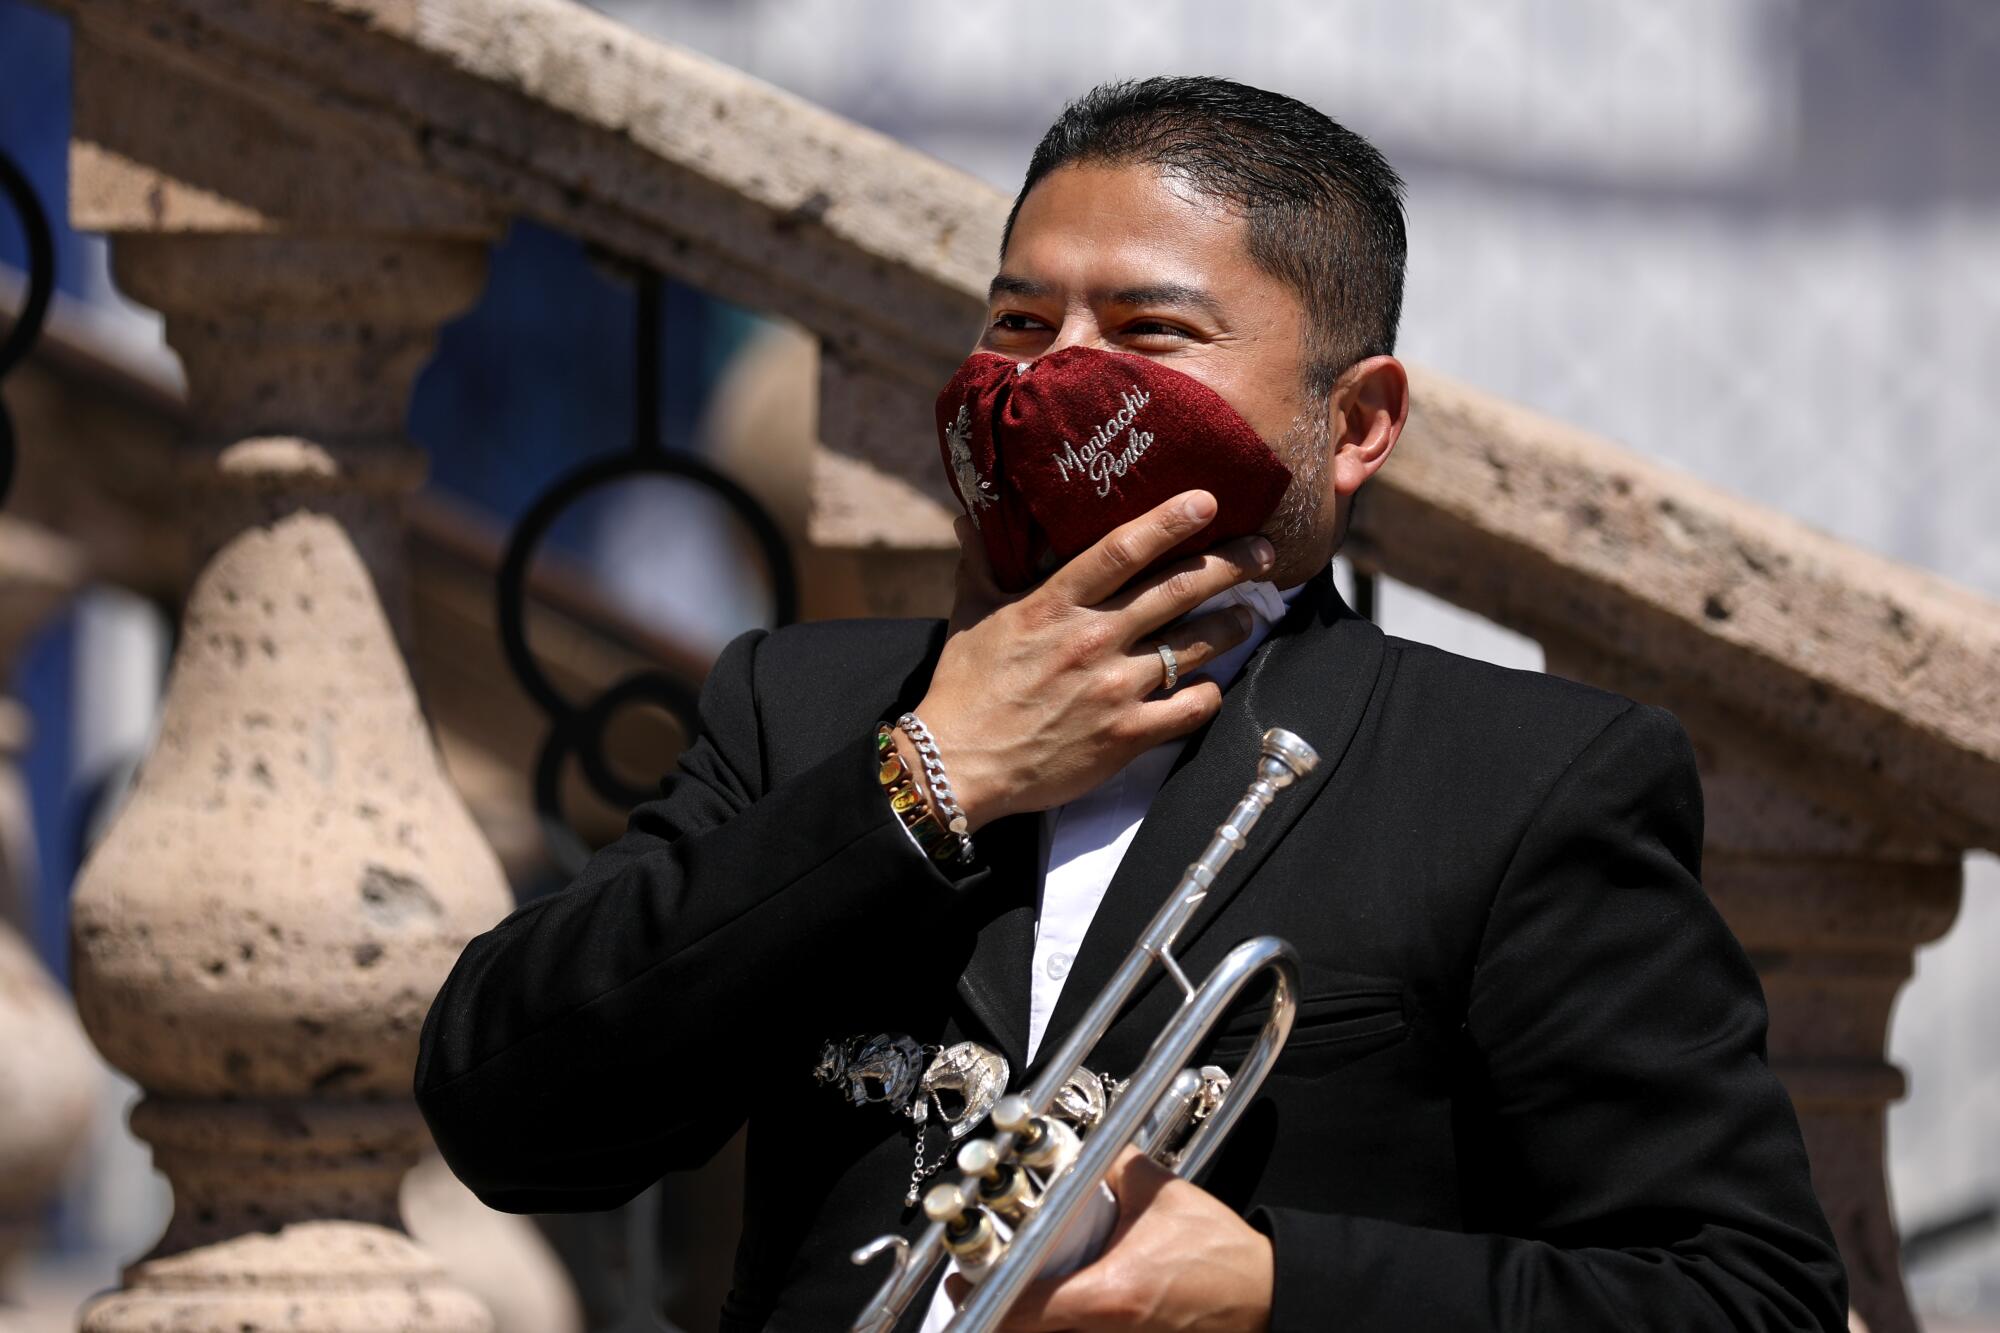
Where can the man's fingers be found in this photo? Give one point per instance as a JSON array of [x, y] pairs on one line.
[[1180, 587], [1097, 573], [1135, 1180], [1184, 711], [1196, 644]]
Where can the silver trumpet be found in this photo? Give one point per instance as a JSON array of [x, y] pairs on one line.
[[1030, 1197]]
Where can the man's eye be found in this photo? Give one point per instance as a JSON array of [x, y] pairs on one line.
[[1153, 328], [1015, 322]]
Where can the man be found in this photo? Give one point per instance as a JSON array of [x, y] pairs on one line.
[[1527, 1086]]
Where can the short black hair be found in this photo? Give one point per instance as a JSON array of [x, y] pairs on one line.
[[1323, 207]]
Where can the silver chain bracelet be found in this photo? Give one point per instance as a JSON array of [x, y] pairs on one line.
[[940, 785]]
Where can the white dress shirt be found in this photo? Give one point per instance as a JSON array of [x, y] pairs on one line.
[[1084, 840]]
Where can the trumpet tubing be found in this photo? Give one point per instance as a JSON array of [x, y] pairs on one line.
[[1030, 1195]]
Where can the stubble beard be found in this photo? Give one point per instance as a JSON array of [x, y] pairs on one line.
[[1294, 526]]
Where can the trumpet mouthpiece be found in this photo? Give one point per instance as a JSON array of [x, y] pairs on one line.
[[1290, 749]]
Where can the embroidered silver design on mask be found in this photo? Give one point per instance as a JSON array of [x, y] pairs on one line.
[[977, 490]]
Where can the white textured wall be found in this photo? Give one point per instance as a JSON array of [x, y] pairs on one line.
[[1757, 240]]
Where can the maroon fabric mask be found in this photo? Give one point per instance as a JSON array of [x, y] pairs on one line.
[[1049, 455]]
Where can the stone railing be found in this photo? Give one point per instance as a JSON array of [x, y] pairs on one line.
[[46, 1073], [47, 1076], [101, 423], [306, 188]]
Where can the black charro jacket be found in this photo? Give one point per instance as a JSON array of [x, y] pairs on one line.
[[1527, 1087]]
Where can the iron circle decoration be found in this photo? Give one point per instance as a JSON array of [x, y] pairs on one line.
[[41, 244], [581, 729], [673, 696]]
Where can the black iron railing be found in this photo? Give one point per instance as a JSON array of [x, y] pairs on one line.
[[27, 327], [578, 728]]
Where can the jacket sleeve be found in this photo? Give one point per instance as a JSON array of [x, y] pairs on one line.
[[595, 1039], [1631, 1161]]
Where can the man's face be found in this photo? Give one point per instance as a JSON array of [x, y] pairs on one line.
[[1126, 259]]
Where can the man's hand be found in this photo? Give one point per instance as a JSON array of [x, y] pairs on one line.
[[1038, 698], [1178, 1262]]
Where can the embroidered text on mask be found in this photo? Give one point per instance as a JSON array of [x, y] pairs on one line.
[[1097, 459]]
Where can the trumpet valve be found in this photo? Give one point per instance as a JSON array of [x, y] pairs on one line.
[[1048, 1147], [1042, 1143], [1012, 1115], [978, 1247], [981, 1158], [1214, 1087], [946, 1202], [1011, 1195], [1004, 1189], [969, 1232]]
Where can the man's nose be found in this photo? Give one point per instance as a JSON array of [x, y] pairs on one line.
[[1078, 330]]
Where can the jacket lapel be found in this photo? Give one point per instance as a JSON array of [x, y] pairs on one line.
[[1312, 675]]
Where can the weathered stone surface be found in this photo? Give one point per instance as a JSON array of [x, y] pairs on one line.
[[1833, 940], [101, 449], [259, 932], [289, 881], [310, 1276], [1889, 677], [653, 152], [197, 156], [47, 1078], [47, 1073]]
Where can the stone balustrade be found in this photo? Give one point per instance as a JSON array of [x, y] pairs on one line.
[[47, 1076], [260, 930], [304, 186]]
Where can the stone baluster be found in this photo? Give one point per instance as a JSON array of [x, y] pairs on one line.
[[259, 932], [1832, 897], [47, 1075]]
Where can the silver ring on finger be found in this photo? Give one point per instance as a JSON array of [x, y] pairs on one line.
[[1170, 666]]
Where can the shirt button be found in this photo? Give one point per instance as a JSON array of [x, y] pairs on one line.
[[1058, 965]]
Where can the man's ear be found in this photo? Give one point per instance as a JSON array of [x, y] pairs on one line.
[[1366, 412]]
